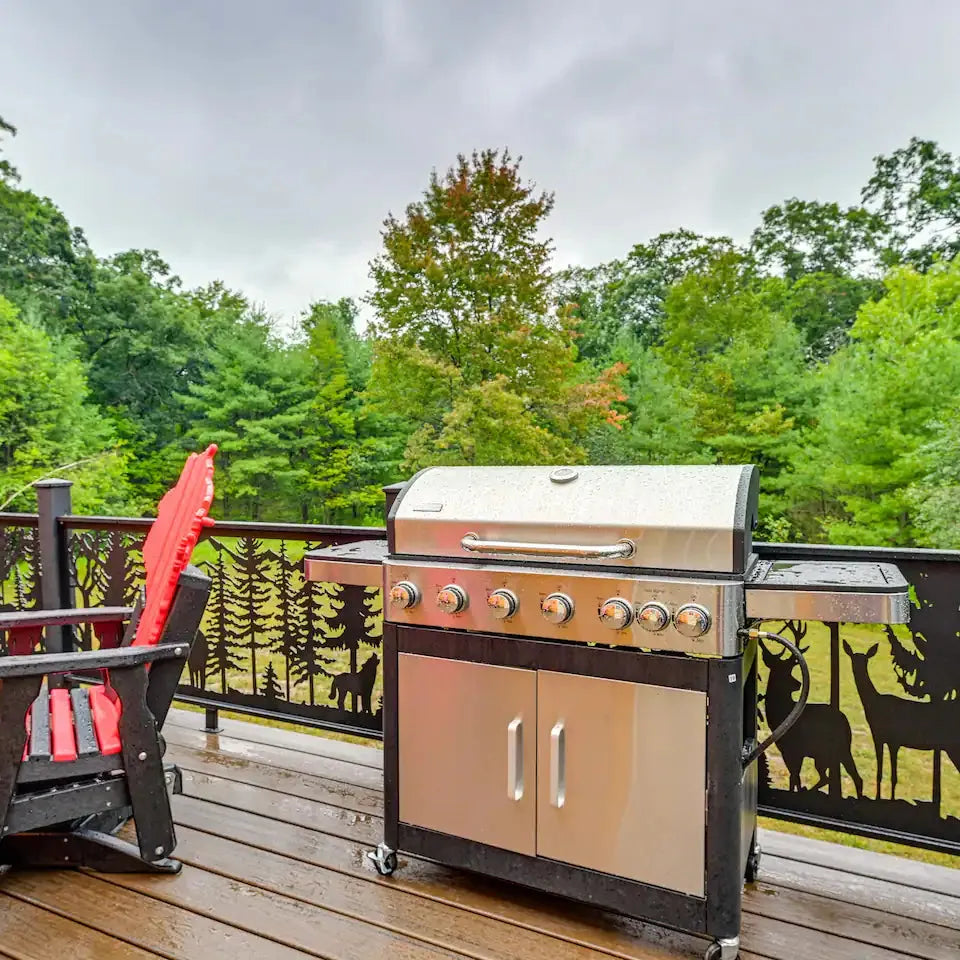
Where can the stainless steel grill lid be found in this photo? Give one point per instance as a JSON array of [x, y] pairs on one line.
[[668, 518]]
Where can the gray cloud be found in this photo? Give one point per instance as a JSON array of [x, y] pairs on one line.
[[263, 143]]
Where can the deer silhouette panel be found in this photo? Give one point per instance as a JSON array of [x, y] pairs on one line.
[[897, 722], [822, 733]]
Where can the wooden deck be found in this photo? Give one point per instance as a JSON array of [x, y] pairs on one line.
[[273, 827]]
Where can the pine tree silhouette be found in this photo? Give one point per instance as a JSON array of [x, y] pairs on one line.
[[85, 559], [19, 593], [270, 687], [286, 637], [373, 624], [318, 608], [122, 570], [351, 624], [12, 543], [218, 622], [31, 557], [118, 574], [248, 594]]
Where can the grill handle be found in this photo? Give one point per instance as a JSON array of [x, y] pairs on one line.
[[558, 765], [622, 548], [515, 759]]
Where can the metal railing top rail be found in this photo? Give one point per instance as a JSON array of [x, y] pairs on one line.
[[345, 532], [19, 520], [227, 528], [800, 551]]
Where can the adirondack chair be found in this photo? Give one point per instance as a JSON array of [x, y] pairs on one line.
[[79, 757]]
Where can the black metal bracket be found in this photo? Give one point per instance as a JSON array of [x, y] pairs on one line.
[[79, 848]]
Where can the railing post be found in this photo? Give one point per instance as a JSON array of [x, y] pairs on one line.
[[212, 721], [56, 591]]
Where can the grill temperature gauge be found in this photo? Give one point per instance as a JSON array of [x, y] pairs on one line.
[[692, 620], [503, 604], [452, 599], [404, 595]]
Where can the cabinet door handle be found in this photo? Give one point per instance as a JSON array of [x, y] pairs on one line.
[[558, 765], [515, 759]]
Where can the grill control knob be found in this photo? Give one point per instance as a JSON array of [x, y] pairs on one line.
[[692, 620], [452, 599], [503, 604], [404, 594], [557, 608], [653, 616], [616, 613]]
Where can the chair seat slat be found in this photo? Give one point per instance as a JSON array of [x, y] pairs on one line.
[[83, 722], [63, 741], [106, 721], [40, 726]]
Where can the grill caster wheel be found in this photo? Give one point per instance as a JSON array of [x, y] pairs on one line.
[[384, 859], [753, 864], [726, 949]]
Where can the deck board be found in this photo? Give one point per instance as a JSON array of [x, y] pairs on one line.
[[273, 826], [28, 932]]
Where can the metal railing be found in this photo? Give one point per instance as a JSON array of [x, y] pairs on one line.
[[877, 751]]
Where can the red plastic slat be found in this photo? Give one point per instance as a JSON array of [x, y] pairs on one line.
[[106, 720], [181, 516], [62, 736], [22, 641], [109, 633]]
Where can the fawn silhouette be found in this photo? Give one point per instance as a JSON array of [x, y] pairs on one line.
[[897, 722], [822, 732]]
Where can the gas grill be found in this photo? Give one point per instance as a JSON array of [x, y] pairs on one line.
[[569, 668]]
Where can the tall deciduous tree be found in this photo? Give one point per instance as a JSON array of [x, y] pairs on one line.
[[916, 190], [7, 170], [462, 294], [47, 420], [625, 298], [798, 237]]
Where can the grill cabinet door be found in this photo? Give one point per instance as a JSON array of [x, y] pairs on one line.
[[467, 747], [622, 778]]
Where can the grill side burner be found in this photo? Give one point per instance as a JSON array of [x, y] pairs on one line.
[[570, 684]]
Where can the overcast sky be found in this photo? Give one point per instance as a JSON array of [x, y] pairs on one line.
[[262, 142]]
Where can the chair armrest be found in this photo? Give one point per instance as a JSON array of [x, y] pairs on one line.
[[41, 664], [53, 618]]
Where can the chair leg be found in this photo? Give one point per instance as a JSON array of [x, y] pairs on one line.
[[16, 695], [79, 848], [110, 821], [143, 764]]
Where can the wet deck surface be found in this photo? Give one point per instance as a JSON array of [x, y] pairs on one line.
[[273, 828]]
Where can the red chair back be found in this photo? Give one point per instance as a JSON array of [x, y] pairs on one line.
[[181, 516]]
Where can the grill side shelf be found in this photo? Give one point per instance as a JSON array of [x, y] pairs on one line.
[[839, 592], [359, 564]]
